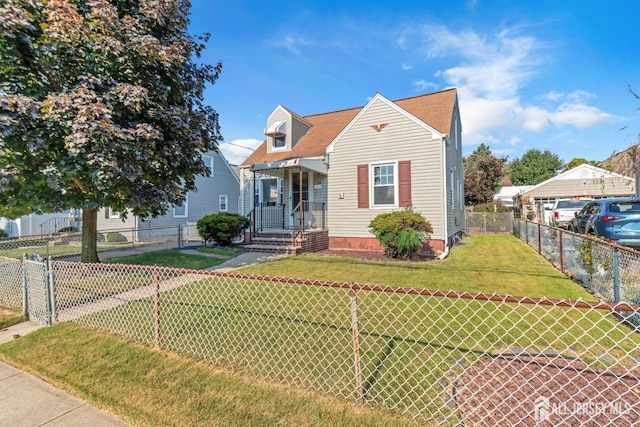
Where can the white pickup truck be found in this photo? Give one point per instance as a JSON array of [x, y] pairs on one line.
[[564, 210]]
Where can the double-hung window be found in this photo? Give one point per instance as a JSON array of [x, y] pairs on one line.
[[223, 203], [384, 184], [208, 163], [181, 211]]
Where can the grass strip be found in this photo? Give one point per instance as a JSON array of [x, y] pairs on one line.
[[10, 317], [169, 258], [148, 387]]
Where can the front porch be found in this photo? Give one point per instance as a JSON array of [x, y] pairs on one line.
[[275, 228]]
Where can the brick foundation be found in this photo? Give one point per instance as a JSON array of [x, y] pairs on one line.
[[371, 244], [315, 241]]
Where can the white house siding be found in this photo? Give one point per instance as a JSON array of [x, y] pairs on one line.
[[455, 200], [401, 139]]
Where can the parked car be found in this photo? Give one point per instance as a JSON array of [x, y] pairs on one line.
[[616, 220], [564, 210]]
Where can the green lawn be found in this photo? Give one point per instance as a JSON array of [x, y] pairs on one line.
[[488, 263], [169, 258], [301, 336]]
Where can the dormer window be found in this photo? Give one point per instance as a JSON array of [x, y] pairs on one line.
[[278, 132]]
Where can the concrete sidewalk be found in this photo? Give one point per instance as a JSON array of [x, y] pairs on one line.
[[28, 401]]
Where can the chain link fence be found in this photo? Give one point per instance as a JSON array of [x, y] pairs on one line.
[[609, 271], [111, 243], [441, 358], [489, 222]]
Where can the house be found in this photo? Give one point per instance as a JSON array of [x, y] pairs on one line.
[[318, 180], [583, 181], [41, 224], [218, 192]]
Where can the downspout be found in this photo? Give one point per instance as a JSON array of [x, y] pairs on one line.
[[445, 253]]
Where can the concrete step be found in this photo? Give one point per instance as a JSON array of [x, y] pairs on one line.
[[276, 249], [279, 241]]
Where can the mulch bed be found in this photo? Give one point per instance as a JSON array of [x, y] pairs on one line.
[[543, 391]]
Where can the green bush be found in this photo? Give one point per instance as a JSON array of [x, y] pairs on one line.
[[116, 238], [400, 233], [69, 229], [222, 227], [489, 207]]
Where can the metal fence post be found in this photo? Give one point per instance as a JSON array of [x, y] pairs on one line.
[[560, 251], [356, 346], [25, 288], [526, 231], [180, 236], [616, 276], [51, 292], [539, 240], [156, 307]]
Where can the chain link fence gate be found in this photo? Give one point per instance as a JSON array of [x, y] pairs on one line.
[[38, 292], [489, 222]]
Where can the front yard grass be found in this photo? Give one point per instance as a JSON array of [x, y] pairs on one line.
[[276, 330], [151, 387], [169, 258], [487, 263]]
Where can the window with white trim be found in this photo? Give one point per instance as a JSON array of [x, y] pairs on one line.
[[383, 184], [111, 214], [223, 203], [208, 163], [181, 211]]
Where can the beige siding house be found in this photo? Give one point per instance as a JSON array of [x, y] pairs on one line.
[[337, 171]]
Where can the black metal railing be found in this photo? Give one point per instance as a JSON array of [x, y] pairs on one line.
[[267, 215]]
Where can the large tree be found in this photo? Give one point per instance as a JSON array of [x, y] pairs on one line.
[[101, 104], [482, 175], [534, 167]]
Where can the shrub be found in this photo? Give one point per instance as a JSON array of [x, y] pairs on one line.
[[489, 207], [116, 238], [69, 229], [222, 227], [400, 233]]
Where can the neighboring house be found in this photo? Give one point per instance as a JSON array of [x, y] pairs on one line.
[[506, 193], [39, 224], [583, 181], [219, 192], [326, 176]]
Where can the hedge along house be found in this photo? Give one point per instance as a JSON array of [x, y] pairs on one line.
[[317, 181]]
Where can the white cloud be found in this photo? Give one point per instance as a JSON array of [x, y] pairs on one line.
[[291, 43], [238, 150], [424, 85], [490, 76], [406, 67]]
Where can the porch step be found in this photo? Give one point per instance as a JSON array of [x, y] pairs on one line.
[[275, 241], [275, 249]]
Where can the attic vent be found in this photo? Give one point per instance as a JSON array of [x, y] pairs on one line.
[[276, 129]]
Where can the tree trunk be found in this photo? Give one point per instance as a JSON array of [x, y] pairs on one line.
[[89, 235]]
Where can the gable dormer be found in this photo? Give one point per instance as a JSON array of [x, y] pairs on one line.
[[284, 130]]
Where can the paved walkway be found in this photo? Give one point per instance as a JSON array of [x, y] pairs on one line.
[[28, 401]]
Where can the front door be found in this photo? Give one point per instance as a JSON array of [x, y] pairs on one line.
[[299, 190]]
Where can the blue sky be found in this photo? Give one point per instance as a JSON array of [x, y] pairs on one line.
[[533, 74]]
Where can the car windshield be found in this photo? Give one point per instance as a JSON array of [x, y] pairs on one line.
[[625, 207], [571, 204]]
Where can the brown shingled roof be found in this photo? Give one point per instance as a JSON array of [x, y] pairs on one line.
[[435, 109]]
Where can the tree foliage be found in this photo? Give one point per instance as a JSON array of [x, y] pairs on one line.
[[534, 167], [577, 161], [482, 175], [101, 104], [400, 233]]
